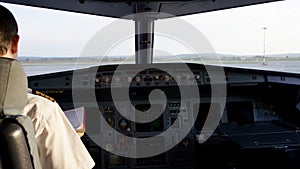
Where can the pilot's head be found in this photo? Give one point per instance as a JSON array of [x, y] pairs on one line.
[[9, 37]]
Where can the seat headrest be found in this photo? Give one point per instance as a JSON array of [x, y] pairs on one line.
[[13, 87]]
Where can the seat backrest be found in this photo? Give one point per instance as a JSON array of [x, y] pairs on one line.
[[18, 148]]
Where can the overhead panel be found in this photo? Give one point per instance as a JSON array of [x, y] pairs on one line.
[[120, 8]]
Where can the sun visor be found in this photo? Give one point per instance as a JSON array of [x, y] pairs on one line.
[[13, 87]]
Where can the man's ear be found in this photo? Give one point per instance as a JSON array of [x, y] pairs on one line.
[[15, 44]]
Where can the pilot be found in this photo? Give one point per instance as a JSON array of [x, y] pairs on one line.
[[59, 145]]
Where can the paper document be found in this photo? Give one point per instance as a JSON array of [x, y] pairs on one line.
[[77, 118]]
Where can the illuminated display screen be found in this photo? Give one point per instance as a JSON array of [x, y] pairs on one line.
[[156, 125]]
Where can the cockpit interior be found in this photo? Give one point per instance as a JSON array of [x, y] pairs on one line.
[[202, 115]]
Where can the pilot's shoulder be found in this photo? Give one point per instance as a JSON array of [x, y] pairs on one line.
[[40, 107]]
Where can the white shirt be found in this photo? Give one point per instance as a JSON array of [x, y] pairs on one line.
[[59, 145]]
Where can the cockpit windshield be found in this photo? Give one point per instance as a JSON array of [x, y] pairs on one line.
[[264, 37]]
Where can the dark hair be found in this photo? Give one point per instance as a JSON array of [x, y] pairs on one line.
[[8, 29]]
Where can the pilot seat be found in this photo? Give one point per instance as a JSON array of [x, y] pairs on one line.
[[18, 148]]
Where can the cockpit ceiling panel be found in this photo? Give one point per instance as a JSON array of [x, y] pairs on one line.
[[121, 8]]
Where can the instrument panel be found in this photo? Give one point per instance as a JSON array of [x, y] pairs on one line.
[[251, 99]]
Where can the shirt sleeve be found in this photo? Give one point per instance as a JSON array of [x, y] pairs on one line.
[[58, 143]]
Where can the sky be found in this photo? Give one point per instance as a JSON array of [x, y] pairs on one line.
[[239, 31]]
